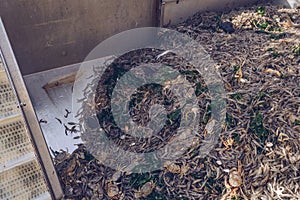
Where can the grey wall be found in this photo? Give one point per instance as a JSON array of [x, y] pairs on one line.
[[53, 33]]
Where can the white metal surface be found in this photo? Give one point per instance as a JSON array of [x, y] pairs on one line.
[[52, 103]]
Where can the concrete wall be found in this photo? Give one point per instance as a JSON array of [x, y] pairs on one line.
[[52, 33]]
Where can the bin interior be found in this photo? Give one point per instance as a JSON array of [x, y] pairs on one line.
[[51, 103]]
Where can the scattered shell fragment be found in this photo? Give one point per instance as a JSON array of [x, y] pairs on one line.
[[269, 144], [289, 23], [145, 190], [228, 143], [235, 179], [273, 71], [283, 137], [239, 74], [112, 190], [172, 167]]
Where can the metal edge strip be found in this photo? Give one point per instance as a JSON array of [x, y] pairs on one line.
[[30, 116], [17, 162]]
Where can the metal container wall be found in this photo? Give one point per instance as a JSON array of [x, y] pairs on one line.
[[175, 11], [46, 34]]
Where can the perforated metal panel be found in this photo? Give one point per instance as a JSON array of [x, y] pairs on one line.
[[7, 101], [26, 168], [21, 176], [14, 142], [23, 181]]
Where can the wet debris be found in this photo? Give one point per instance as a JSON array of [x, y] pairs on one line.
[[58, 120], [227, 27], [234, 182], [67, 113], [43, 121], [112, 191], [145, 190]]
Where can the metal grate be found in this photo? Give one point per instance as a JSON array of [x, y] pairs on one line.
[[23, 182], [1, 66], [21, 176], [8, 103], [14, 142]]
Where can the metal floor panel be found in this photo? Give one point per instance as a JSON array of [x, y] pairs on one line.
[[52, 103]]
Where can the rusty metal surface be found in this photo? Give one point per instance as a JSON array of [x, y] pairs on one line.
[[46, 34]]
